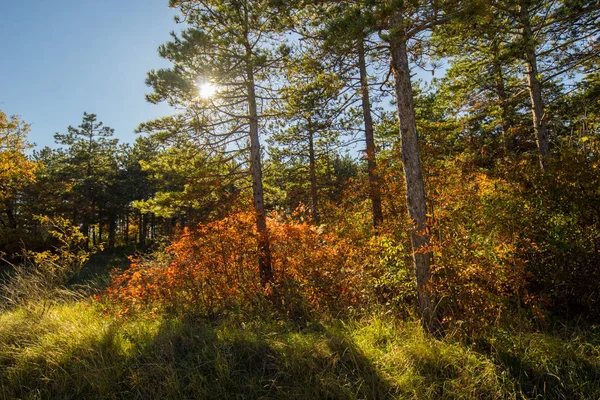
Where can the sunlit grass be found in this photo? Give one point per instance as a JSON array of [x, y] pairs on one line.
[[75, 351]]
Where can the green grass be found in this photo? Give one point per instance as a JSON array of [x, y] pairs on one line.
[[74, 351]]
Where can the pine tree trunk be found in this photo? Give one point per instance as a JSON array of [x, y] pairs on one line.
[[111, 233], [535, 86], [152, 227], [166, 226], [415, 188], [374, 185], [12, 221], [142, 231], [264, 250], [126, 228], [312, 166], [85, 229], [146, 231], [100, 230]]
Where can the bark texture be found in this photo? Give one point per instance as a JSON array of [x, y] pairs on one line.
[[415, 188], [313, 178], [534, 85], [374, 185], [264, 250]]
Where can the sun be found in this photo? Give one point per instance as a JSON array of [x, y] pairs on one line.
[[207, 90]]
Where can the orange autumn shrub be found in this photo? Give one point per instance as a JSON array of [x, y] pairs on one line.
[[317, 270], [213, 267], [206, 268]]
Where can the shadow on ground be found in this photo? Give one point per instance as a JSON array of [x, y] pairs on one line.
[[199, 360]]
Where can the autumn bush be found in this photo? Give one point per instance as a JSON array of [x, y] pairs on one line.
[[213, 267], [478, 241], [560, 217], [504, 243], [477, 272], [500, 246]]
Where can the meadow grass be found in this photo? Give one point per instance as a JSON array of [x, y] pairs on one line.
[[75, 351]]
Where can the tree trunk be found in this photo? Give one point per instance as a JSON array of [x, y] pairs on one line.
[[374, 185], [126, 228], [10, 214], [313, 177], [85, 229], [111, 232], [415, 188], [166, 226], [502, 99], [152, 227], [534, 85], [264, 250], [100, 229], [142, 231]]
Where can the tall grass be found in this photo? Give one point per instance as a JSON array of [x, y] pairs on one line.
[[74, 351]]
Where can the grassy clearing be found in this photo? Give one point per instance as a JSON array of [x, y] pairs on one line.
[[73, 351]]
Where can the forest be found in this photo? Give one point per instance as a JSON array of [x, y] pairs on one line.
[[350, 200]]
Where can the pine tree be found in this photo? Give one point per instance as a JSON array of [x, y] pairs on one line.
[[233, 45], [552, 38], [402, 24], [343, 34], [312, 119], [88, 163]]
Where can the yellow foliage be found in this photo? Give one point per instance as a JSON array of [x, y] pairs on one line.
[[15, 168], [69, 255]]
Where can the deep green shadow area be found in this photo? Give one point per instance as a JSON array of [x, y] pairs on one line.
[[239, 360], [560, 364], [96, 271], [74, 351]]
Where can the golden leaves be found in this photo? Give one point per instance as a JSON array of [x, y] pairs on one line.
[[15, 168]]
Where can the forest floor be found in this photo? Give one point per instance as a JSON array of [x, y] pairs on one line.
[[78, 350]]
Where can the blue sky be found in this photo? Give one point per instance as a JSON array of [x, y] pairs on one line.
[[61, 58]]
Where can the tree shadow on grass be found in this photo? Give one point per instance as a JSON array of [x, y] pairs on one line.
[[255, 361], [546, 365], [549, 368], [177, 359]]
